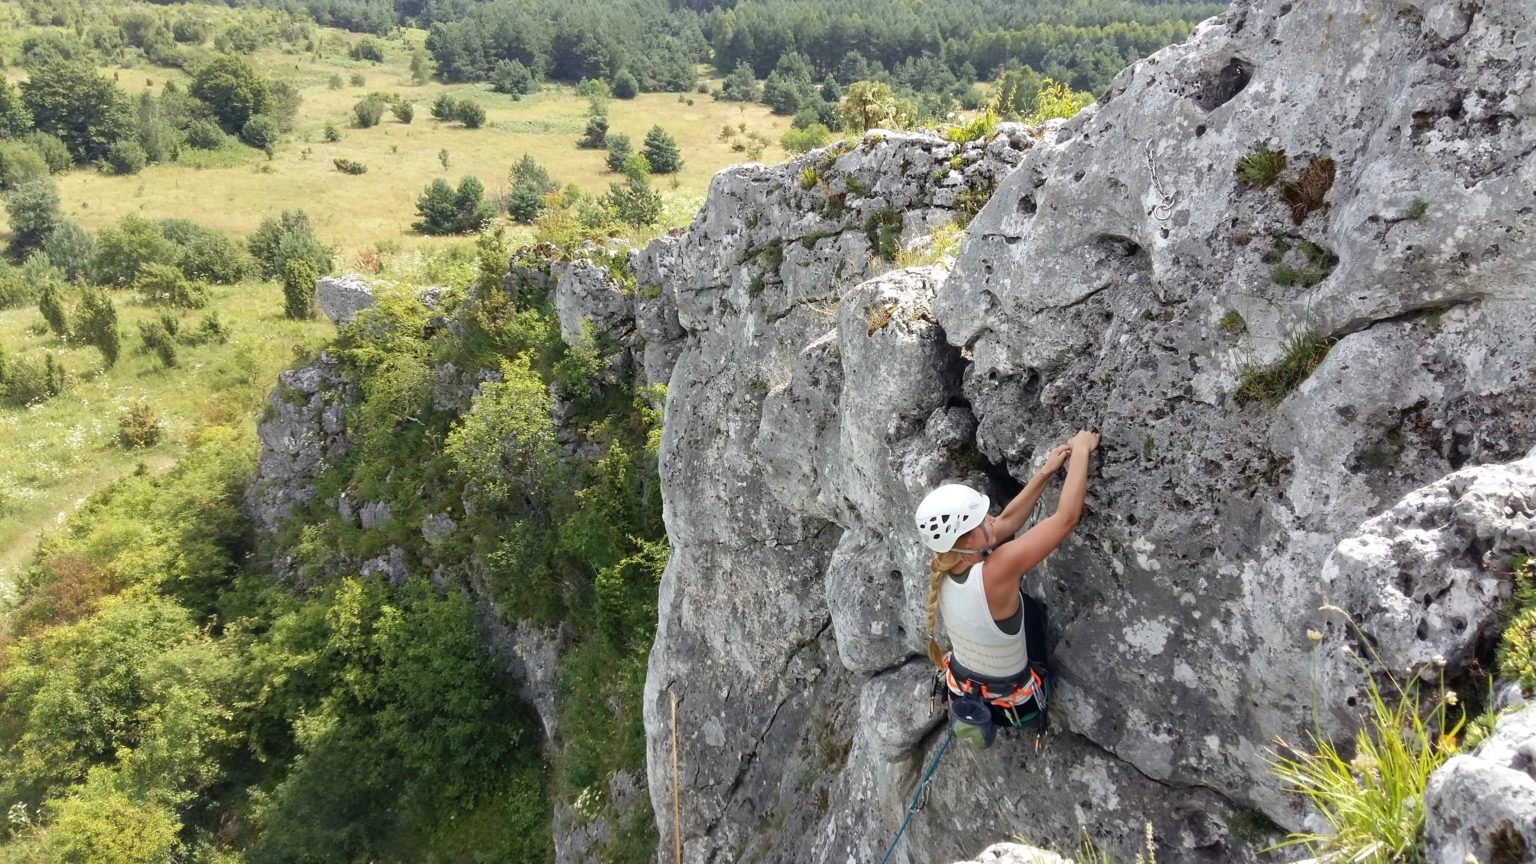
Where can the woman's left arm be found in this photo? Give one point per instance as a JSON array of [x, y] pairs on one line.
[[1012, 518]]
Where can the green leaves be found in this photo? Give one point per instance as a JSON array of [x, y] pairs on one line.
[[506, 444]]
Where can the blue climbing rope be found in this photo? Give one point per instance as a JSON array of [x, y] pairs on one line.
[[918, 794]]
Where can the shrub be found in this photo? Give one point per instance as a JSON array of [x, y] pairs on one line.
[[50, 304], [445, 108], [369, 111], [596, 135], [741, 85], [160, 141], [34, 212], [204, 135], [661, 152], [19, 163], [126, 157], [529, 183], [262, 132], [209, 331], [54, 152], [512, 78], [367, 49], [335, 82], [349, 166], [28, 382], [470, 113], [287, 236], [156, 338], [96, 325], [444, 210], [165, 284], [299, 289], [619, 150], [71, 246], [208, 255], [807, 139], [232, 90], [15, 289], [357, 79], [404, 111], [625, 86], [121, 250], [139, 426], [331, 134]]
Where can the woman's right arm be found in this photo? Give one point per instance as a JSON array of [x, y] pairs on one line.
[[1013, 559]]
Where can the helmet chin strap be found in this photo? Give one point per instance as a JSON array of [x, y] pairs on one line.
[[986, 551]]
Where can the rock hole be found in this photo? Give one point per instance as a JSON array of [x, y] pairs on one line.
[[1200, 130], [1220, 88], [1351, 701], [1422, 631], [1027, 205], [1459, 625], [1130, 519], [1078, 176]]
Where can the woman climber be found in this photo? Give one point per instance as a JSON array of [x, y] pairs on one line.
[[996, 632]]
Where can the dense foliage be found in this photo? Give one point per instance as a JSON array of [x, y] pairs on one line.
[[156, 694]]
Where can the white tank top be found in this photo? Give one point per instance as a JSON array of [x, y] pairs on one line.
[[979, 645]]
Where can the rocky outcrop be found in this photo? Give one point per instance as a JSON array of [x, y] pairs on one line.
[[342, 297], [304, 428], [1274, 368], [1480, 805]]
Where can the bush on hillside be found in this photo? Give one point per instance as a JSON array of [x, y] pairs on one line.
[[798, 141], [262, 132], [19, 163], [444, 210], [53, 151], [350, 166], [625, 86], [29, 382], [50, 304], [470, 113], [71, 247], [280, 238], [596, 135], [165, 284], [96, 325], [204, 135], [404, 111], [367, 49], [369, 111], [125, 247], [528, 183], [445, 108], [34, 212], [619, 149], [126, 157], [512, 78], [139, 426], [299, 278], [208, 255], [661, 152]]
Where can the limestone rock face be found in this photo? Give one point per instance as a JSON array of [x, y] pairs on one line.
[[1121, 277], [342, 297], [304, 427], [1481, 804]]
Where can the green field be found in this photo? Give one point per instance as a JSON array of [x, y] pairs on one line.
[[232, 189], [54, 455]]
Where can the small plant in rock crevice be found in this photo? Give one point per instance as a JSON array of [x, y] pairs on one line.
[[1260, 166], [1232, 322], [1307, 193], [1417, 210], [1304, 352]]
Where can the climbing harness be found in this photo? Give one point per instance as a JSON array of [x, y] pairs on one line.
[[919, 794], [970, 699], [1163, 209]]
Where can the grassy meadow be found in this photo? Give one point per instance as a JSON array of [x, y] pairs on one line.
[[233, 188], [53, 455]]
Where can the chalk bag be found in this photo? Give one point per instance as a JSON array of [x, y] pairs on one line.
[[972, 721]]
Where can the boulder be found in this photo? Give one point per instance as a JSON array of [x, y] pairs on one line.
[[1480, 805], [342, 297]]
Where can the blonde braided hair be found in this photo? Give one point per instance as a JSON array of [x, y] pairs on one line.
[[943, 562]]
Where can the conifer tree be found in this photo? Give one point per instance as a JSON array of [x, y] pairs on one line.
[[661, 152]]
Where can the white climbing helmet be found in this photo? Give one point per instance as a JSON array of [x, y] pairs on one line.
[[948, 512]]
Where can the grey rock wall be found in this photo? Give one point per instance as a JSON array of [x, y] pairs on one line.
[[1120, 277]]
